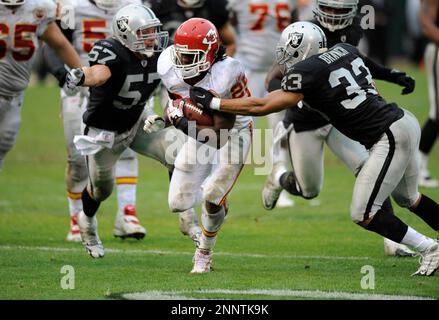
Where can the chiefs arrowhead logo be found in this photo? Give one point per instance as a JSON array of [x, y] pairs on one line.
[[210, 37]]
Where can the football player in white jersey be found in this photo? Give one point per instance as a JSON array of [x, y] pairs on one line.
[[197, 58], [23, 24], [92, 22], [259, 24]]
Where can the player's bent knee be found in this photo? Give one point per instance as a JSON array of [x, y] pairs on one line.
[[181, 202], [310, 193], [102, 193], [405, 201]]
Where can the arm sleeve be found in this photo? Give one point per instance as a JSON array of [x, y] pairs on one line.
[[378, 71]]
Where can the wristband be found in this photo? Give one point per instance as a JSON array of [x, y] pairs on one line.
[[215, 104]]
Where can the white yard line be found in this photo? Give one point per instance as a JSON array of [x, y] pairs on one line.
[[307, 294], [167, 252]]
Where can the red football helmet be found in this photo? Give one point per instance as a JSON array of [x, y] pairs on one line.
[[196, 44]]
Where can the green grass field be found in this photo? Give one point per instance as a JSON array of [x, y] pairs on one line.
[[306, 252]]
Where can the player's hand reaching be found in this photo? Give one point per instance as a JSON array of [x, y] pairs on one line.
[[201, 97], [174, 111], [75, 78], [404, 80], [153, 123]]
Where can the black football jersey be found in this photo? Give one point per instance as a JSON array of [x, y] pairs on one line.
[[118, 104], [304, 118], [338, 84], [172, 15]]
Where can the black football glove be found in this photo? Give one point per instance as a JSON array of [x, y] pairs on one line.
[[201, 97], [404, 80]]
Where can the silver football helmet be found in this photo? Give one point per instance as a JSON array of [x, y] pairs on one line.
[[335, 14], [138, 29], [106, 4], [12, 2], [298, 41], [190, 3]]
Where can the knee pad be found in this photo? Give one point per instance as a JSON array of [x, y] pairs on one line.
[[406, 202], [181, 201]]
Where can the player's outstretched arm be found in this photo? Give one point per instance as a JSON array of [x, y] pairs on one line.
[[62, 47], [275, 101], [93, 76]]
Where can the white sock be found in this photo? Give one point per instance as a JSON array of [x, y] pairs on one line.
[[126, 193], [75, 203], [207, 243], [416, 240]]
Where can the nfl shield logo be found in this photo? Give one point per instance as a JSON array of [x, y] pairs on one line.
[[296, 39]]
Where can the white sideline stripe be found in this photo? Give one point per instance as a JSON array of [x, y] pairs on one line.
[[164, 252], [310, 294]]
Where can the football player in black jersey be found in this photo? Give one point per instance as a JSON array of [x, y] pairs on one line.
[[338, 83], [122, 76], [429, 17], [307, 129]]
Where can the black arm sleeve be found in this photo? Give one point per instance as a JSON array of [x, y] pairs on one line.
[[55, 64], [378, 71]]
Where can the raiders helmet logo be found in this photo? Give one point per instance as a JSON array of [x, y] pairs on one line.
[[210, 37], [122, 24], [296, 39]]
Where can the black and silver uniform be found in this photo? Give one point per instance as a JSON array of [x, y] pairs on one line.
[[338, 84], [306, 119], [118, 104], [172, 15]]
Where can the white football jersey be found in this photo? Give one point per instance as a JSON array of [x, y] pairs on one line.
[[259, 26], [91, 23], [20, 32], [226, 78]]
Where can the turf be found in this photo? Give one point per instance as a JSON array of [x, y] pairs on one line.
[[312, 247]]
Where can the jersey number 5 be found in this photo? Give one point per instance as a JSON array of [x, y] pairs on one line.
[[24, 46], [353, 88]]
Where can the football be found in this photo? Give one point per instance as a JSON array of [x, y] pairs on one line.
[[194, 113]]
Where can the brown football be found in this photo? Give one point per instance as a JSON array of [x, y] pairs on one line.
[[194, 113]]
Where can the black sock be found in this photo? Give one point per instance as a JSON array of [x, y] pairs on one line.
[[428, 210], [288, 182], [387, 225], [90, 205], [429, 134], [387, 207]]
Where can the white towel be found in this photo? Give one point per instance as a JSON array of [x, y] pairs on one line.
[[91, 145]]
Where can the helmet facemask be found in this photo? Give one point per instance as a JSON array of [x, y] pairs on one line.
[[150, 40], [335, 14], [106, 4], [189, 62], [190, 4], [12, 2]]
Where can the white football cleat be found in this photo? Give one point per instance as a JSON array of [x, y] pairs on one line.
[[429, 261], [202, 261], [395, 249], [284, 201], [128, 225], [426, 181], [271, 190], [74, 234], [89, 234], [189, 225]]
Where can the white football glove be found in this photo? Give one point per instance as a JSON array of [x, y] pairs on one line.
[[75, 78], [174, 112], [153, 123]]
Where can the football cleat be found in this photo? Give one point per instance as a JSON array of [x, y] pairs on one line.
[[392, 248], [189, 225], [74, 234], [429, 261], [128, 225], [89, 234], [271, 190], [202, 261], [426, 181], [284, 201]]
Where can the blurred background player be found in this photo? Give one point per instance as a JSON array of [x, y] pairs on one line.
[[429, 18], [92, 22], [122, 77], [308, 130], [259, 24], [23, 24], [197, 58]]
